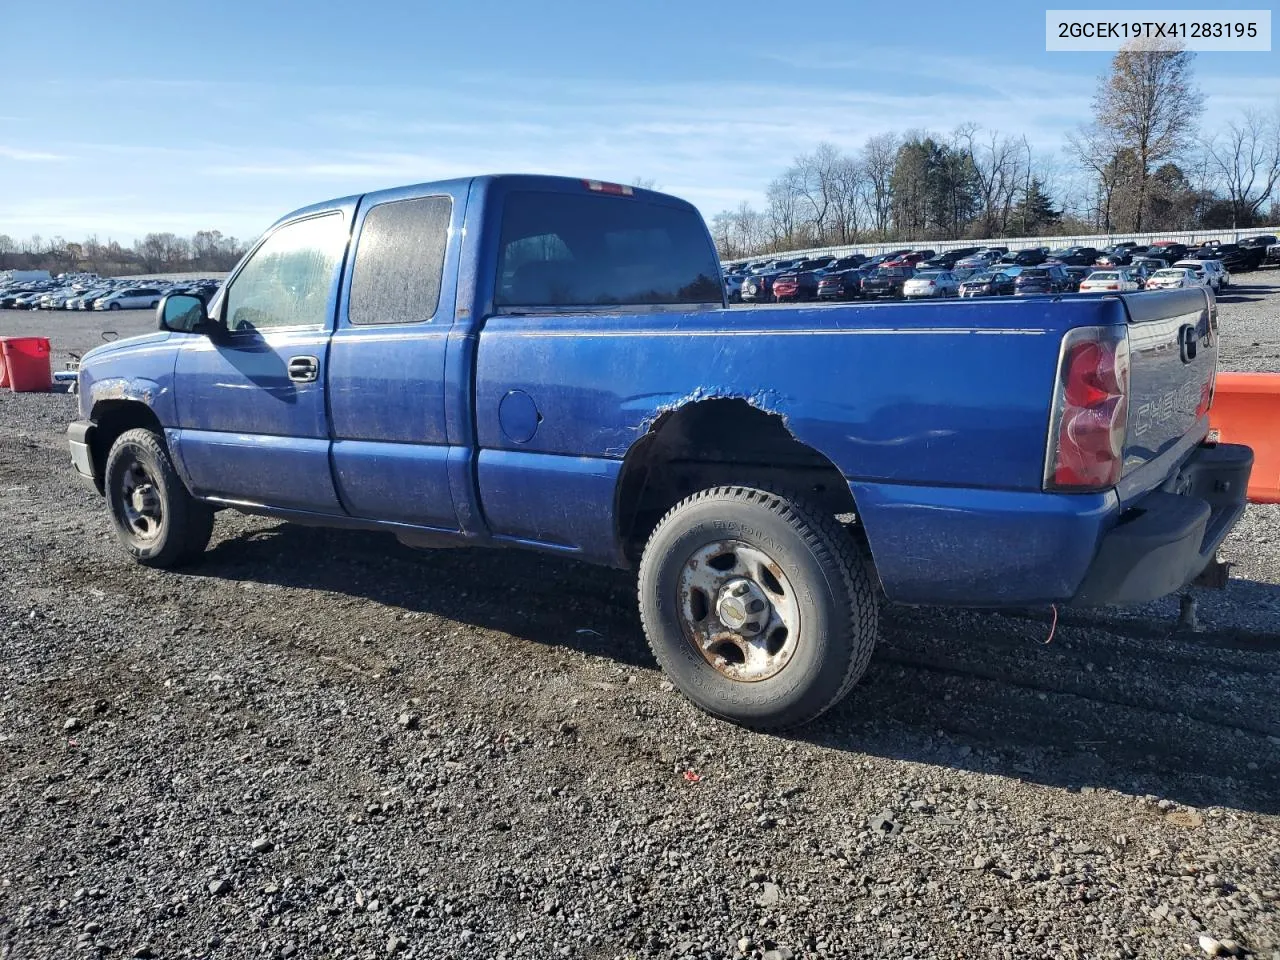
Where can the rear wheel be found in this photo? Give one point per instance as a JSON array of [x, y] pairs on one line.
[[156, 519], [757, 605], [115, 306]]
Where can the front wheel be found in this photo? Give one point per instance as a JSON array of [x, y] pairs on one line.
[[758, 605], [114, 306], [155, 518]]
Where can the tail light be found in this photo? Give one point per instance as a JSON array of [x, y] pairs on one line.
[[1090, 411]]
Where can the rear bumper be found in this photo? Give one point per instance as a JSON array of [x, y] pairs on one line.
[[79, 438], [969, 547], [1163, 541]]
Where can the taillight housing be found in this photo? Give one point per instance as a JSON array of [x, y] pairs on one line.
[[1090, 414]]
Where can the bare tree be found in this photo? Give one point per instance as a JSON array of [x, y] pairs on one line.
[[784, 206], [996, 161], [1150, 105], [1245, 158], [1097, 148], [879, 156]]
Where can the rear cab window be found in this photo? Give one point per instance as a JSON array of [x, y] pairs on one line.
[[561, 250]]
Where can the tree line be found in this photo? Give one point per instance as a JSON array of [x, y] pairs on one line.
[[153, 253], [1139, 164]]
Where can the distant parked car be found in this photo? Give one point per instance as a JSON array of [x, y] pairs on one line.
[[733, 286], [1273, 253], [1231, 255], [132, 298], [1046, 278], [1109, 281], [1118, 257], [931, 283], [1150, 264], [906, 260], [845, 285], [1030, 257], [800, 285], [1171, 278], [1076, 276], [1076, 256], [1257, 247], [1170, 250], [1215, 276], [887, 281], [988, 284], [947, 259], [851, 262], [28, 301], [758, 288], [978, 261]]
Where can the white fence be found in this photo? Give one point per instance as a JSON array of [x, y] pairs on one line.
[[1098, 240]]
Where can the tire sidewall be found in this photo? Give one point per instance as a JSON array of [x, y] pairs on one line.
[[821, 598], [161, 473]]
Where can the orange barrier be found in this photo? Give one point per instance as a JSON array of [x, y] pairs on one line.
[[1246, 409]]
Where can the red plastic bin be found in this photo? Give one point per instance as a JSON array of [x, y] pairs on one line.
[[4, 371], [27, 364]]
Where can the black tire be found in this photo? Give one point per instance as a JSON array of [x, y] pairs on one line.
[[183, 525], [113, 306], [831, 588]]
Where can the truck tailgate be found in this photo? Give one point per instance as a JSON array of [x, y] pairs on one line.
[[1173, 351]]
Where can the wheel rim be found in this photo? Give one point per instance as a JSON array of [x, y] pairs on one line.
[[139, 499], [739, 611]]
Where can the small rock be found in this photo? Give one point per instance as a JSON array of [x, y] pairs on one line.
[[883, 822], [219, 887], [745, 945], [921, 806], [683, 947], [568, 728], [1231, 947], [409, 721], [1210, 946], [72, 725], [1082, 849], [770, 894], [262, 845], [779, 953], [93, 926], [395, 944], [143, 952], [983, 863]]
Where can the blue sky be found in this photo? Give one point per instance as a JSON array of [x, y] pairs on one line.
[[118, 119]]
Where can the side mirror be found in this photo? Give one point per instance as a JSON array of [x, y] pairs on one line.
[[181, 313]]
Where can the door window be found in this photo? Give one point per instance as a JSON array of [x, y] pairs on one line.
[[400, 261], [287, 280]]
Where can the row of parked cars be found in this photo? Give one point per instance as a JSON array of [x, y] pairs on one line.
[[995, 271], [96, 293]]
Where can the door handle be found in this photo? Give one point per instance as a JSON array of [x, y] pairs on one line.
[[304, 369]]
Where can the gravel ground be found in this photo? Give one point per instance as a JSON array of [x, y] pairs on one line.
[[322, 744]]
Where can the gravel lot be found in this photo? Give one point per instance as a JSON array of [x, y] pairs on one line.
[[322, 744]]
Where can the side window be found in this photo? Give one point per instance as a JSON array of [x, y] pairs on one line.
[[399, 261], [287, 280]]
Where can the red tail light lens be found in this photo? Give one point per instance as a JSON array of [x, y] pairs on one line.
[[1090, 411]]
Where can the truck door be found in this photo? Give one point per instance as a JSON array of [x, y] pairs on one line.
[[387, 390], [250, 399]]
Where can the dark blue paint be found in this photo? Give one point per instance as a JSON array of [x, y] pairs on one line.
[[515, 429]]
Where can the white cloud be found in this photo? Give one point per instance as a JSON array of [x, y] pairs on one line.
[[29, 156]]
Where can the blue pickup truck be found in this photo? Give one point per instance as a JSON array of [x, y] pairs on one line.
[[549, 363]]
